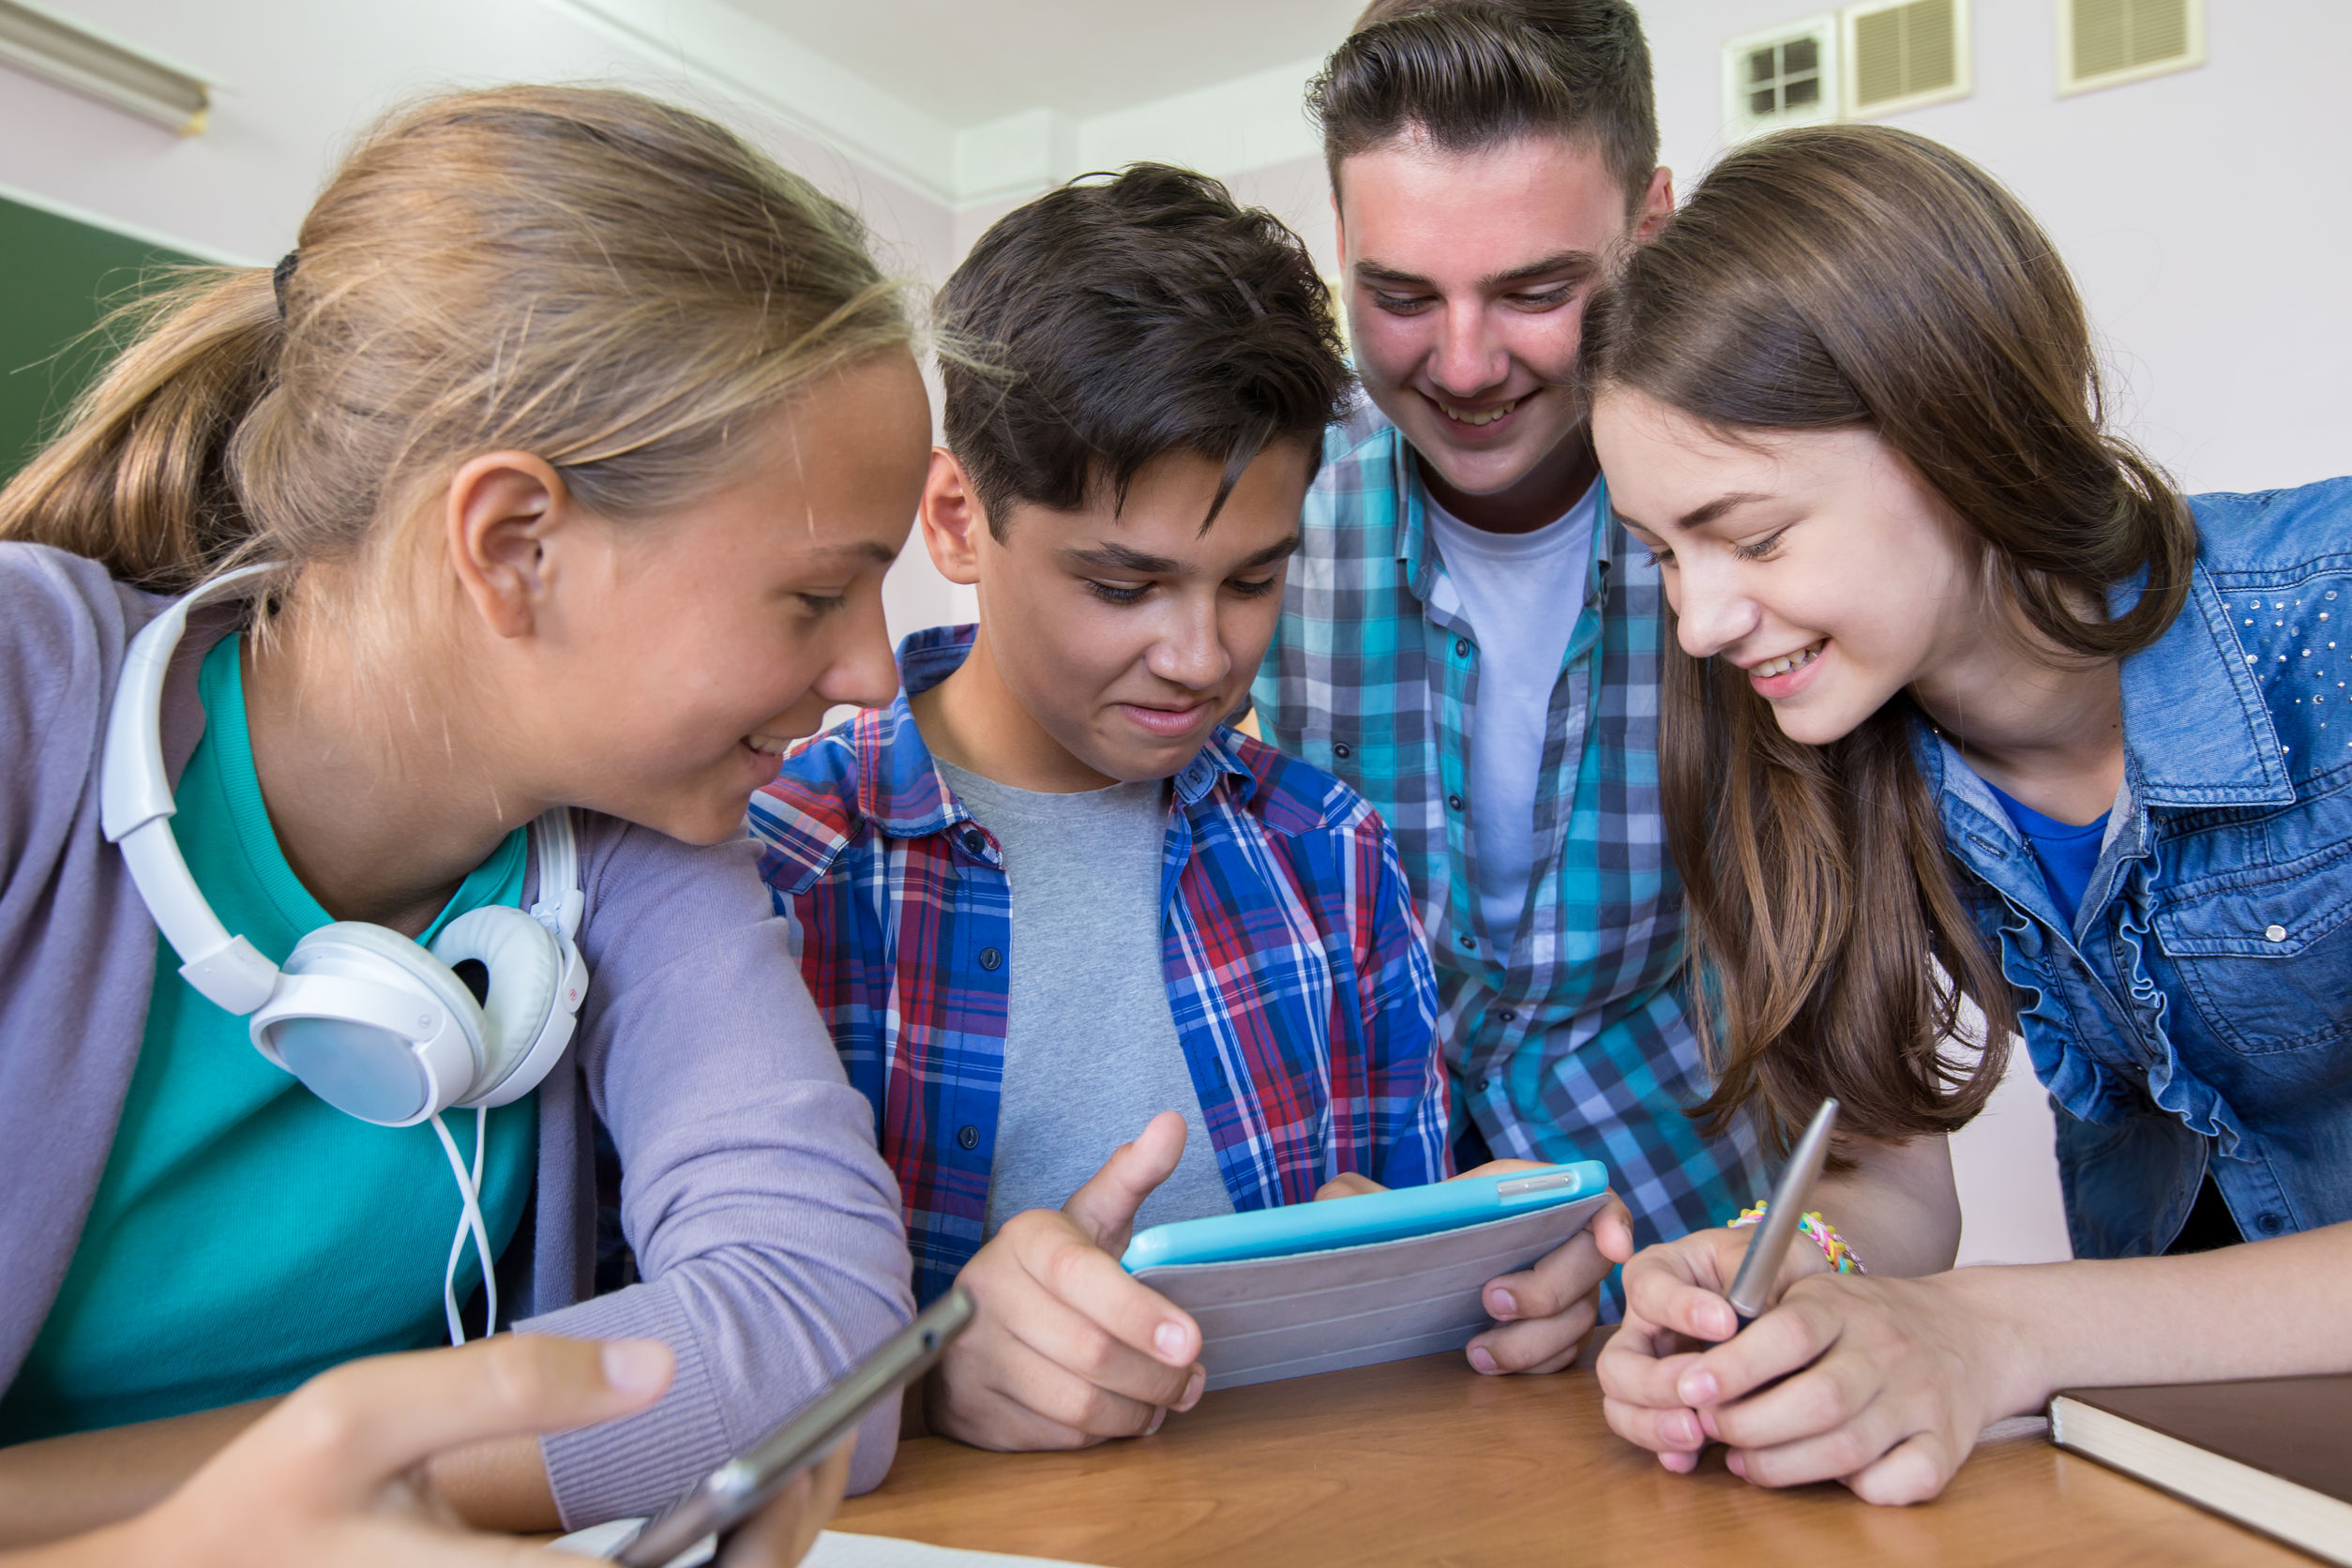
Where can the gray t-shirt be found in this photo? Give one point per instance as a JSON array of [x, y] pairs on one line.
[[1090, 1051]]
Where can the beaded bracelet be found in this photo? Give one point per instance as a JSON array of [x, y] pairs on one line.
[[1834, 1246]]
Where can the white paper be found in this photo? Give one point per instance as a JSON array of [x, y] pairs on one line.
[[834, 1549]]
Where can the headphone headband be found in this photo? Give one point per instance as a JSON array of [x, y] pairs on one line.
[[135, 812]]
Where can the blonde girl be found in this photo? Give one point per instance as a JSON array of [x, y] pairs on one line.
[[576, 436]]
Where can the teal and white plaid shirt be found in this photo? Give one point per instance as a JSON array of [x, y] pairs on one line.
[[1574, 1043]]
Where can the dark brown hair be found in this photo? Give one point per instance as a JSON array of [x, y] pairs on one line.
[[1859, 277], [1121, 318], [1471, 73]]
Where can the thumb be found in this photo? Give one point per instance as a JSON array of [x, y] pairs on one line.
[[1104, 1208], [1613, 1231], [346, 1432]]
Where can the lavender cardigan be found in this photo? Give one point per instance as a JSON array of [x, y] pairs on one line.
[[766, 1227]]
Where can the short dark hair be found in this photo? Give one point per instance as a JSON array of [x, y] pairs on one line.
[[1471, 73], [1124, 317]]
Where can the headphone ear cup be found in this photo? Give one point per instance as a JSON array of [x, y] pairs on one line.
[[345, 1021], [520, 967]]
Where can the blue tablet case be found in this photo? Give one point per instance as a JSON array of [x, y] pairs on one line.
[[1265, 1319]]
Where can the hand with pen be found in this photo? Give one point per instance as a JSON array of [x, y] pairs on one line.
[[1804, 1372]]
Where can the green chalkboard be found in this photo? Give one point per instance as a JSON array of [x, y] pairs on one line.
[[58, 279]]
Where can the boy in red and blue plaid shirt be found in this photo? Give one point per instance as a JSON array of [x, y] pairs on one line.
[[1097, 960]]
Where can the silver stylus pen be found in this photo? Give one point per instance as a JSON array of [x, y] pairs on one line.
[[1769, 1245]]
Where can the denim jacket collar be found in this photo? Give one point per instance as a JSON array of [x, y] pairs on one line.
[[2196, 728]]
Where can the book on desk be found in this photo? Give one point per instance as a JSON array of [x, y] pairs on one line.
[[2274, 1452]]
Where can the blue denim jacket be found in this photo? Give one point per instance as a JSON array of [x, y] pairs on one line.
[[2198, 1013]]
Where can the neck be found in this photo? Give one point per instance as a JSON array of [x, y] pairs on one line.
[[2048, 734], [973, 720], [1541, 495], [380, 807]]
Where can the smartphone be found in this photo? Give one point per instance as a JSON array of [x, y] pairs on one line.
[[742, 1485], [1361, 1220]]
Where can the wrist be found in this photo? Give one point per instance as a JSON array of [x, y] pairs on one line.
[[2010, 1362]]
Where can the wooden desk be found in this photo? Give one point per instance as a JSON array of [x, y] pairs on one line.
[[1424, 1462]]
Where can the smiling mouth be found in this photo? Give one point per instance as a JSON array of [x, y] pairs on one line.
[[772, 746], [1787, 662], [1474, 416]]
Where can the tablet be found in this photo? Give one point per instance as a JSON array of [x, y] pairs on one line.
[[1322, 1287], [1360, 1221]]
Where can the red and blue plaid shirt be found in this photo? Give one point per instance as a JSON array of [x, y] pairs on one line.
[[1300, 988]]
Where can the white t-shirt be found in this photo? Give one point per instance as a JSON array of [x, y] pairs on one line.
[[1522, 593]]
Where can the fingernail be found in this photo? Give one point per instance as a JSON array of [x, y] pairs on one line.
[[1482, 1361], [1737, 1463], [636, 1365], [1697, 1387], [1682, 1428], [1499, 1305], [1192, 1389], [1720, 1323], [1157, 1417], [1707, 1423], [1168, 1339]]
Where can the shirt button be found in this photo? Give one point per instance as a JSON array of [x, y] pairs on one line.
[[2269, 1224], [975, 843], [968, 1136], [1461, 647], [1454, 802], [990, 959], [2274, 934], [1342, 751], [1468, 942], [1507, 1016], [1485, 1084]]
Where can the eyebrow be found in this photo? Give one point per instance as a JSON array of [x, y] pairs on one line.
[[1699, 516], [1557, 262], [1119, 558], [864, 549]]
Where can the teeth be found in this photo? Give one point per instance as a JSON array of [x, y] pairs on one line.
[[775, 745], [1783, 665], [1465, 416]]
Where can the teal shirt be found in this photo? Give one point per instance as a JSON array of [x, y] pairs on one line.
[[246, 1234]]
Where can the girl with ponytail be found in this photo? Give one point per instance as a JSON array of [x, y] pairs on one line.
[[1971, 706], [572, 443]]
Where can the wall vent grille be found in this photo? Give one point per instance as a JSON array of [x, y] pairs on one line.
[[1784, 76], [1907, 56], [2104, 43]]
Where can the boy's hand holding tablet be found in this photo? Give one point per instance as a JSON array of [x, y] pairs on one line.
[[1068, 1350], [1544, 1313]]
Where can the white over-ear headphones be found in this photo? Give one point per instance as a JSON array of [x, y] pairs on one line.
[[371, 1023]]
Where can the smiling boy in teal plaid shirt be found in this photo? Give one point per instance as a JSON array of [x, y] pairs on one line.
[[1468, 636]]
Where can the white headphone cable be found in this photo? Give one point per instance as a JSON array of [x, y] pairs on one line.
[[470, 1223]]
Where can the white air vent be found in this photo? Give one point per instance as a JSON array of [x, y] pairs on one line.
[[1906, 54], [2102, 43], [1783, 76]]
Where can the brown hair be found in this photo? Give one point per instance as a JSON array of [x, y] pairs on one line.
[[1126, 316], [1471, 73], [1859, 277], [615, 285]]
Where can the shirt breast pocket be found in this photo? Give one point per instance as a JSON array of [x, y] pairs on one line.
[[2266, 952]]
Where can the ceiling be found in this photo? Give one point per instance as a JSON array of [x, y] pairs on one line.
[[967, 62]]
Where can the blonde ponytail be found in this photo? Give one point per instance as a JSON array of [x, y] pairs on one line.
[[137, 479], [619, 287]]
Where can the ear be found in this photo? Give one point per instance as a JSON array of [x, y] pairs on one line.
[[952, 518], [1657, 205], [501, 512]]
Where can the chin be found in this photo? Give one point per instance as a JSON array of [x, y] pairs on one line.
[[1817, 725]]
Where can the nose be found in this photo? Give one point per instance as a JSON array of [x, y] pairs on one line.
[[1470, 356], [1711, 613], [1189, 652], [861, 669]]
